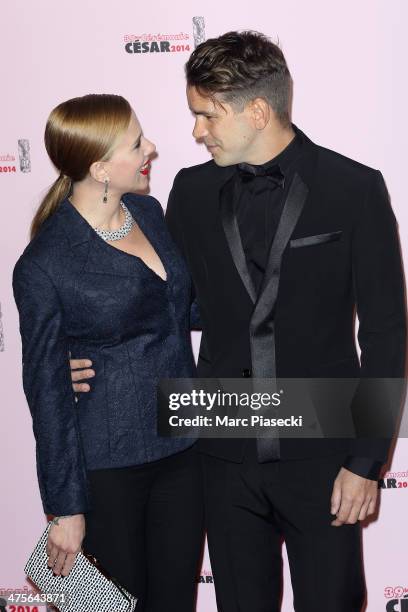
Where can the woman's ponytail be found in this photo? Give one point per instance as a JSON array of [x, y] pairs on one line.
[[57, 192]]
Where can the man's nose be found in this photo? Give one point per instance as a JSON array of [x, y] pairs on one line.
[[199, 131]]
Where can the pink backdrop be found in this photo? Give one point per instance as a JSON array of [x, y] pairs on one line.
[[348, 61]]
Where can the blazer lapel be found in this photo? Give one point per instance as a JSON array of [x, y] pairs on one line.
[[91, 254], [228, 198], [106, 259], [262, 325], [262, 335]]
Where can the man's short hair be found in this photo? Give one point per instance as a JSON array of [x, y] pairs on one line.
[[242, 66]]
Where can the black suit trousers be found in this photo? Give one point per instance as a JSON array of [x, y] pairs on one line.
[[146, 529], [251, 508]]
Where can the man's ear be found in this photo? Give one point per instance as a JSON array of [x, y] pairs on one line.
[[260, 112], [98, 172]]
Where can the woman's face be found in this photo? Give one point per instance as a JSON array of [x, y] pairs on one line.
[[129, 166]]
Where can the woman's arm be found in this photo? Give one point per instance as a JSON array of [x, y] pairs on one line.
[[47, 385]]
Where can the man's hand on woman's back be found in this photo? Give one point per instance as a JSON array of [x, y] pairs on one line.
[[81, 371]]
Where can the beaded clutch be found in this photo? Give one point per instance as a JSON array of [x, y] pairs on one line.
[[87, 587]]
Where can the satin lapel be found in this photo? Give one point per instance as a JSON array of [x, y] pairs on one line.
[[262, 325], [228, 198], [262, 322]]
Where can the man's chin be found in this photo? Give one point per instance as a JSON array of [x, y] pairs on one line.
[[222, 162]]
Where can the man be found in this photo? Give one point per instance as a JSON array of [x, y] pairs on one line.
[[284, 240]]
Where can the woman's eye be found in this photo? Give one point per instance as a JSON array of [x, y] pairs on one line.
[[137, 145]]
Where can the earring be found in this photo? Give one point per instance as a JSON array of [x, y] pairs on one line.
[[105, 194]]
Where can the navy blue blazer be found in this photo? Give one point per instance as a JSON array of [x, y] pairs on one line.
[[76, 293]]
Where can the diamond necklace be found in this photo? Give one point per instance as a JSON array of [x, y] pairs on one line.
[[122, 231]]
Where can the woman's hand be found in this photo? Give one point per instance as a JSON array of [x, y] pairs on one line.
[[64, 542]]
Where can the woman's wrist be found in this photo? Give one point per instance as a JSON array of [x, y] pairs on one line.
[[55, 520]]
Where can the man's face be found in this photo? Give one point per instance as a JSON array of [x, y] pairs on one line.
[[230, 136]]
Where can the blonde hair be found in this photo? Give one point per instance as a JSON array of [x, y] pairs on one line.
[[78, 133]]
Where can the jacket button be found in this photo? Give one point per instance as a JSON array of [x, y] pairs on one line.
[[246, 373]]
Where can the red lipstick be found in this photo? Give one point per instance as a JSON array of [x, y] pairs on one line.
[[145, 170]]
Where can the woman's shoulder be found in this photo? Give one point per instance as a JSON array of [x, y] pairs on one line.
[[43, 251], [147, 203]]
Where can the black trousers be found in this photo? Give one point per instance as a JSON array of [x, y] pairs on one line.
[[146, 529], [252, 507]]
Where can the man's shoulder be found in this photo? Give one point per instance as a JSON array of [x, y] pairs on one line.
[[336, 163], [202, 174]]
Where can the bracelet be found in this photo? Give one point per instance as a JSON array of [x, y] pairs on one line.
[[57, 518]]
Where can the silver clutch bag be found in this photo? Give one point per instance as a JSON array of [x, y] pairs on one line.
[[87, 587]]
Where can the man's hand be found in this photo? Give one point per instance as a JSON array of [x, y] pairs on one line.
[[64, 542], [78, 372], [353, 498]]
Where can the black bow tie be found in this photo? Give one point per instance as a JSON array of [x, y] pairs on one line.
[[248, 173]]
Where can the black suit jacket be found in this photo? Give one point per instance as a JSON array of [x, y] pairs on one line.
[[336, 251]]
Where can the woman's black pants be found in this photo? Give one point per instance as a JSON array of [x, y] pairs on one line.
[[146, 529]]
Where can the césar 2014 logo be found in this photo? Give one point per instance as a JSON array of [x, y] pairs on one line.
[[157, 43], [163, 46]]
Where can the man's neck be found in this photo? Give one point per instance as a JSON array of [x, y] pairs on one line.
[[271, 144]]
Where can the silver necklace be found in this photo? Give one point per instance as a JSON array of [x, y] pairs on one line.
[[122, 231]]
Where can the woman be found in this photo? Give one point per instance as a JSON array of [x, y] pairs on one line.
[[101, 278]]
